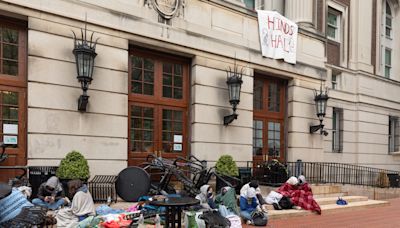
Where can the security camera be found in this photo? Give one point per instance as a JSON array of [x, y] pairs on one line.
[[325, 133]]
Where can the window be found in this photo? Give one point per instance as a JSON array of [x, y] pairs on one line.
[[333, 24], [157, 105], [393, 134], [388, 62], [388, 21], [337, 130], [250, 4]]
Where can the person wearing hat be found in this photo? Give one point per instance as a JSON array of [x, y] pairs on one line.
[[50, 194], [248, 204], [11, 202]]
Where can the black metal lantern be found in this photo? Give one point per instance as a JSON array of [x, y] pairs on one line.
[[234, 82], [320, 99], [85, 53]]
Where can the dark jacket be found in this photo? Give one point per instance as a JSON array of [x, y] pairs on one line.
[[43, 192]]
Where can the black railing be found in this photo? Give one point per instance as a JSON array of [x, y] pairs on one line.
[[325, 172]]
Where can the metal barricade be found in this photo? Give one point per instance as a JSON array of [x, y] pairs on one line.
[[102, 188]]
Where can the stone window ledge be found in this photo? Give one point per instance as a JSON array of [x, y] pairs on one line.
[[397, 153]]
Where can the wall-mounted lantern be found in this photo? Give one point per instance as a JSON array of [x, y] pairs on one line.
[[234, 82], [85, 53], [320, 99]]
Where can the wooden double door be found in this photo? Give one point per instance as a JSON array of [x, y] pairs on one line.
[[269, 107], [158, 103]]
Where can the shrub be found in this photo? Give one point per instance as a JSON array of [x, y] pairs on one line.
[[73, 166], [227, 166]]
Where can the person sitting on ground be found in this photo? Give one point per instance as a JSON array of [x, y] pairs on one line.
[[206, 197], [254, 184], [11, 202], [226, 202], [248, 204], [82, 205], [50, 194]]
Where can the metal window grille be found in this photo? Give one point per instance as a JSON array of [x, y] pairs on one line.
[[393, 134], [337, 130]]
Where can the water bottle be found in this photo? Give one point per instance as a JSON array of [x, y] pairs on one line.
[[157, 221], [141, 222], [108, 200]]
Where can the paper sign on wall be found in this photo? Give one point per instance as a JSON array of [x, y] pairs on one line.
[[177, 147], [177, 138], [10, 129], [278, 36], [10, 139]]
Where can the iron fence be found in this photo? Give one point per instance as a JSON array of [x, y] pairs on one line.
[[325, 172]]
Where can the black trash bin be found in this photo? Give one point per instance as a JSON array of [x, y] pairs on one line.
[[394, 180], [244, 176], [38, 175]]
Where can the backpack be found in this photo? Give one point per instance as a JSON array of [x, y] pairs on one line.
[[215, 220], [341, 201], [286, 203], [259, 218]]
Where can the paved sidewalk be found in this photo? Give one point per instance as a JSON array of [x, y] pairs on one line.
[[384, 216]]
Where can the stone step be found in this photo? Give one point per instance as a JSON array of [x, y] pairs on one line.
[[325, 189], [332, 200], [326, 195], [330, 208]]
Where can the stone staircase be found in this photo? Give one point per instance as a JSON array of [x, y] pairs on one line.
[[326, 196]]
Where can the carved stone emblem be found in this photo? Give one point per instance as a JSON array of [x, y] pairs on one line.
[[167, 8]]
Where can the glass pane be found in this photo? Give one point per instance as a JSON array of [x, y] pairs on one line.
[[137, 62], [167, 114], [148, 124], [148, 64], [136, 87], [167, 136], [389, 21], [148, 135], [277, 135], [10, 36], [388, 31], [167, 125], [137, 123], [178, 81], [259, 143], [148, 89], [167, 147], [137, 74], [167, 79], [387, 71], [249, 4], [388, 10], [149, 76], [178, 126], [259, 133], [331, 32], [259, 124], [167, 68], [178, 115], [167, 92], [273, 97], [332, 19], [178, 69], [277, 126], [10, 113], [148, 146], [10, 67], [388, 57], [258, 95], [257, 151], [148, 112], [136, 111], [10, 51], [177, 93], [270, 126], [137, 146], [10, 98]]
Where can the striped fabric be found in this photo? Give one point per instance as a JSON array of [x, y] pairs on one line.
[[11, 206]]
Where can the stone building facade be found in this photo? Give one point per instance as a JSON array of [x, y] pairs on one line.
[[159, 82]]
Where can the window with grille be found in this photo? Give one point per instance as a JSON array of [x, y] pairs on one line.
[[388, 21], [337, 130], [393, 134], [388, 62]]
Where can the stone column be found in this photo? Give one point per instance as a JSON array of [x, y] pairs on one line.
[[300, 11]]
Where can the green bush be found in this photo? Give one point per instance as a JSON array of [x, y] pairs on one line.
[[73, 166], [227, 166]]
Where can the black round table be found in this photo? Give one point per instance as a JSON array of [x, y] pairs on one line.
[[174, 207]]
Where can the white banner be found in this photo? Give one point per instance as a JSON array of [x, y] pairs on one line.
[[278, 36]]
